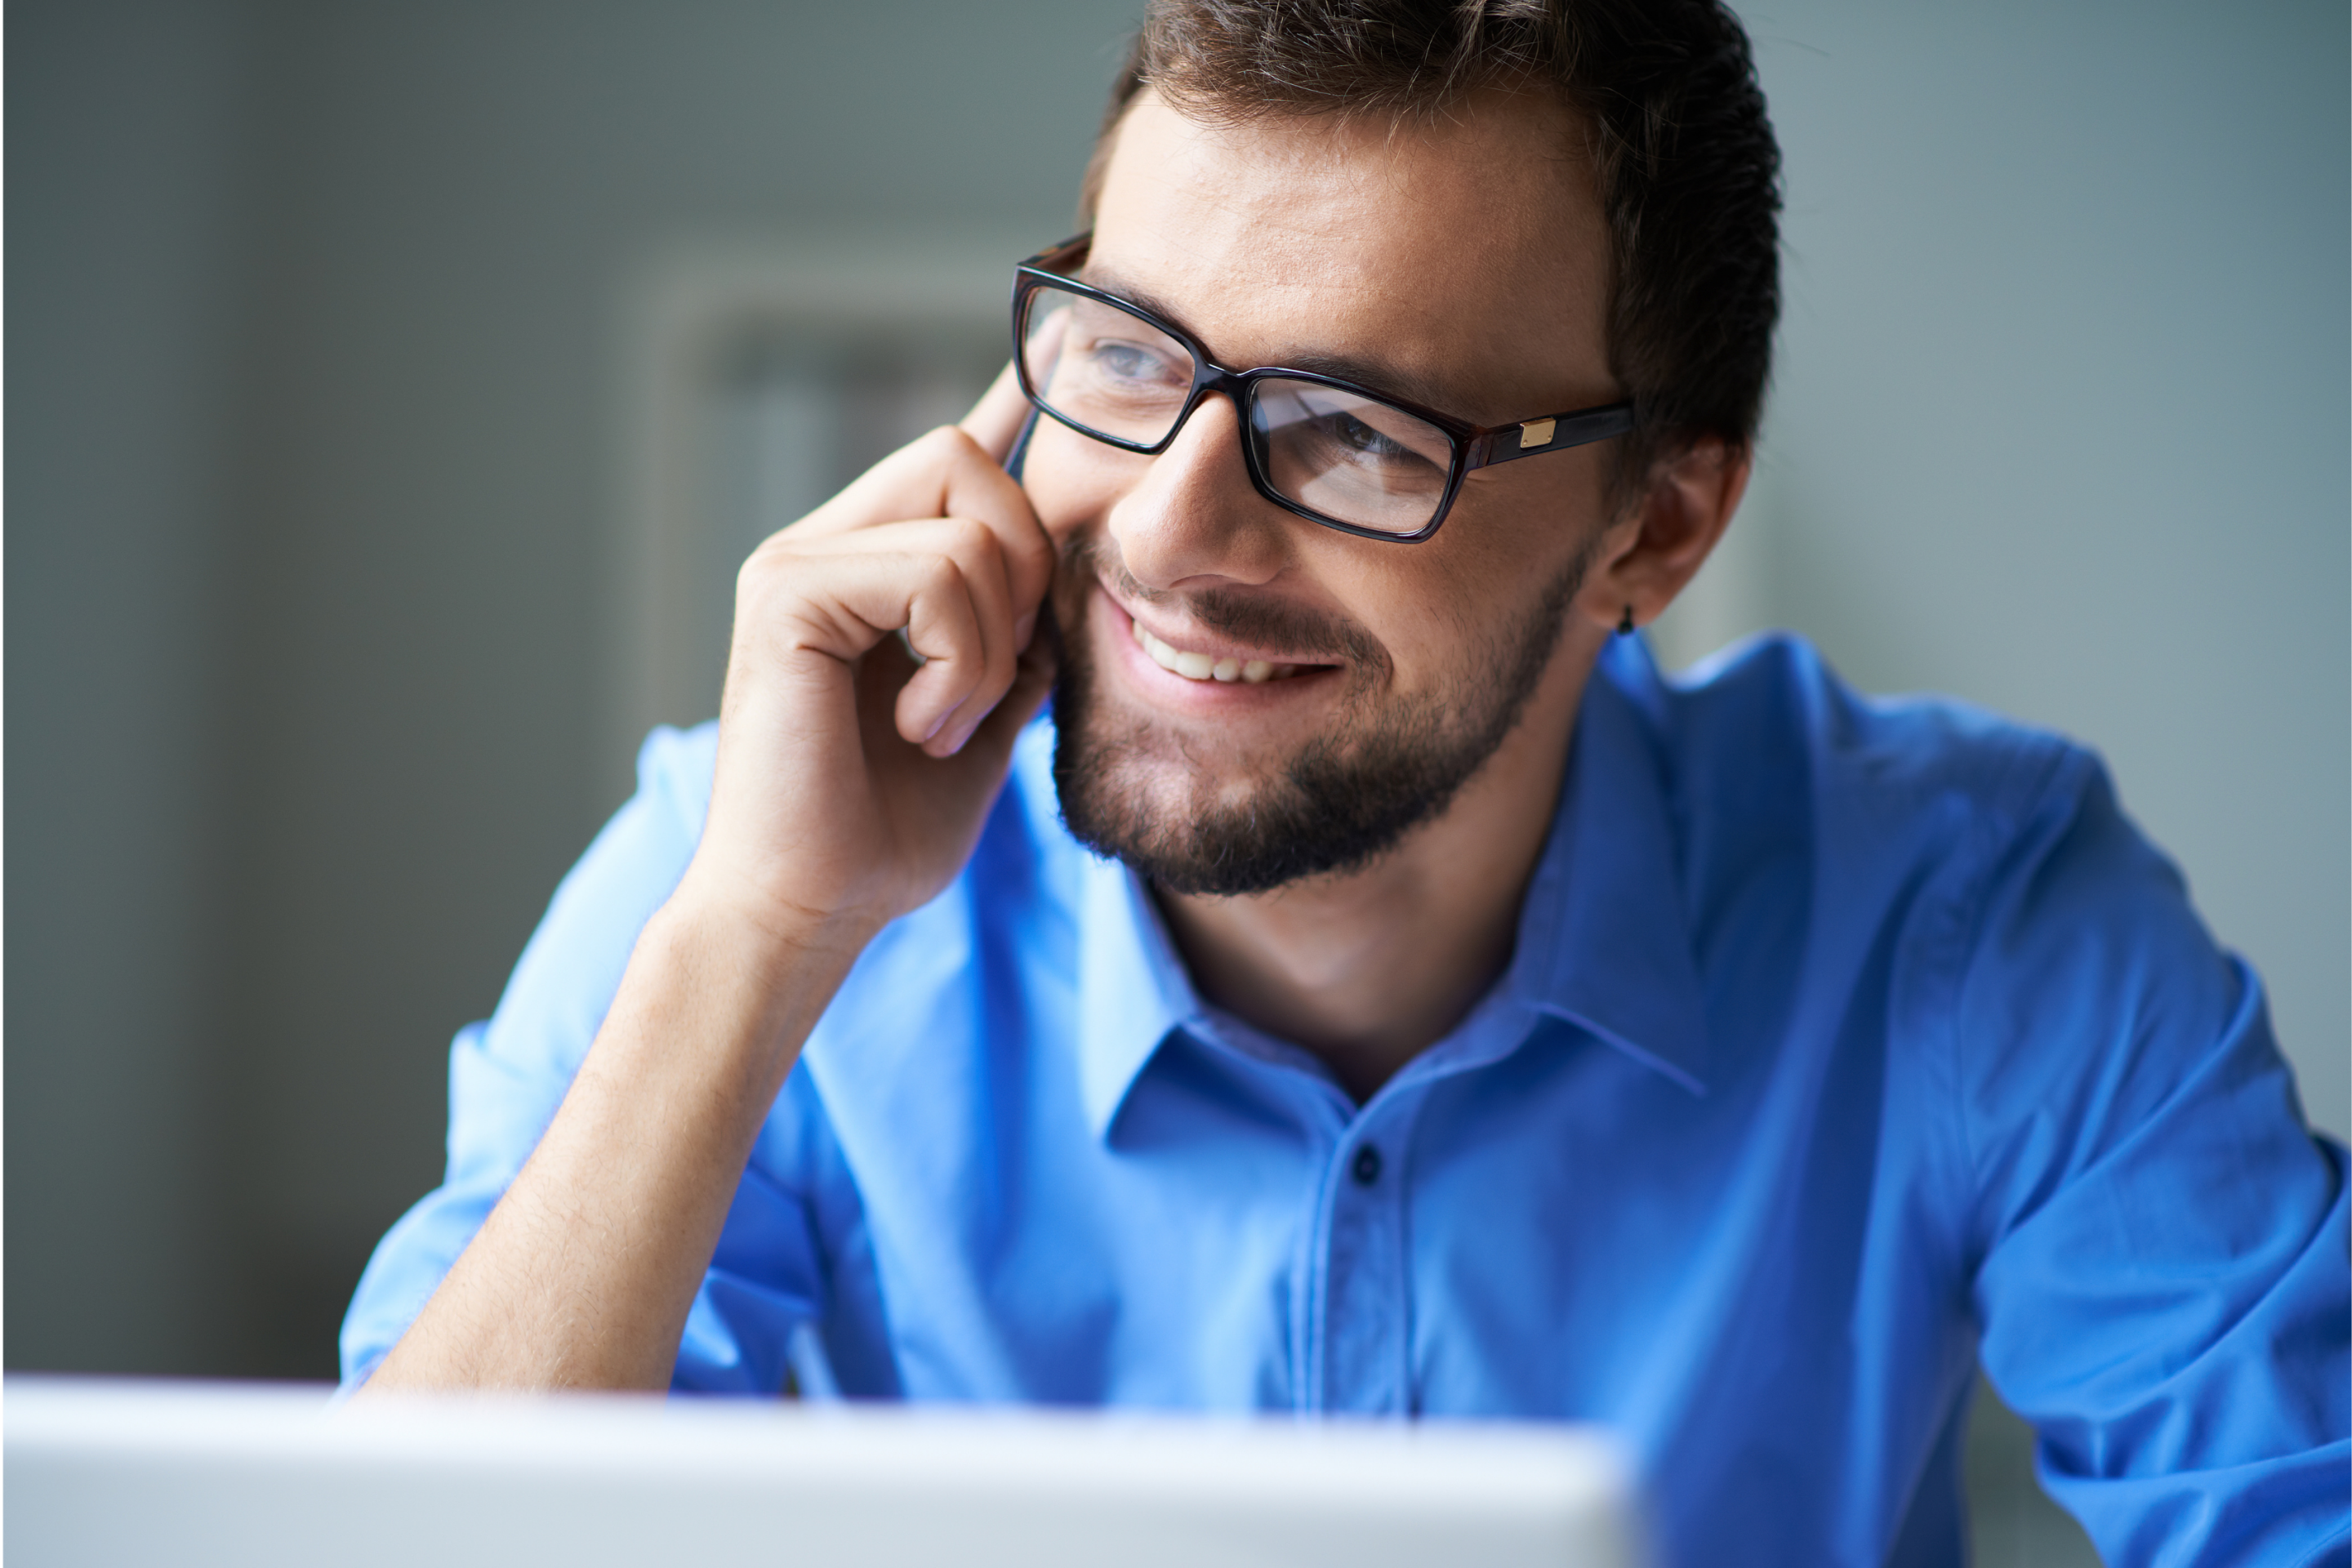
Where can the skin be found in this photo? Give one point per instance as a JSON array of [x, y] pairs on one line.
[[1463, 264]]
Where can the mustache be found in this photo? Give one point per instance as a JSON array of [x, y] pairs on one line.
[[1260, 621]]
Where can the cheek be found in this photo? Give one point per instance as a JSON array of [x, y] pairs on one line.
[[1397, 596], [1523, 528], [1071, 481], [1481, 575]]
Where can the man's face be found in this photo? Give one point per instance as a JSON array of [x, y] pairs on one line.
[[1462, 266]]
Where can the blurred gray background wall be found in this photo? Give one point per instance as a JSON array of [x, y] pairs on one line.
[[317, 310], [318, 314]]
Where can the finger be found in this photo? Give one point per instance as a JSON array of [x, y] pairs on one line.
[[942, 584], [958, 615], [980, 563], [911, 482], [840, 602], [946, 627], [945, 474], [996, 419], [991, 745], [977, 487], [1033, 681], [942, 580], [986, 757]]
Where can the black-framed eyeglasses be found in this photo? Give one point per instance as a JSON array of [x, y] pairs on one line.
[[1333, 451]]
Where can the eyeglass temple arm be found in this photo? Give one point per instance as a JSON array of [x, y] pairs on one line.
[[1556, 434]]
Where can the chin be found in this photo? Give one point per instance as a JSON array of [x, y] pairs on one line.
[[1196, 810], [1131, 792]]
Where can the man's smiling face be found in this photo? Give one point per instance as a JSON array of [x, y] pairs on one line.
[[1461, 265]]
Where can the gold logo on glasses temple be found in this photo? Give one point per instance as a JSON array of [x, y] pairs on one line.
[[1536, 433]]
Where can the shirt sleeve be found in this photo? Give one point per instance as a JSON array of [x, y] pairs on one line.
[[507, 1075], [2161, 1242]]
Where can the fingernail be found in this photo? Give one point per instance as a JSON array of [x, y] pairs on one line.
[[938, 724], [1024, 629]]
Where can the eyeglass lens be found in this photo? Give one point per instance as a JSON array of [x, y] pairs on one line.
[[1340, 455]]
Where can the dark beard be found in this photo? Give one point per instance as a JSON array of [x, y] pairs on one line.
[[1344, 799]]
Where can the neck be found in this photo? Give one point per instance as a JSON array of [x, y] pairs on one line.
[[1370, 968]]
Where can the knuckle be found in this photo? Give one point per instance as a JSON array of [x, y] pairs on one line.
[[945, 442], [936, 572], [772, 569], [971, 536], [756, 578], [1034, 549]]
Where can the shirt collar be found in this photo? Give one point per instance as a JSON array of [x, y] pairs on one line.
[[1133, 991], [1604, 942]]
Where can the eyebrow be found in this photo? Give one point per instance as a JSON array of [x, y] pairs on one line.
[[1407, 384]]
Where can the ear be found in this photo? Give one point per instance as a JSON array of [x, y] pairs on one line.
[[1649, 554]]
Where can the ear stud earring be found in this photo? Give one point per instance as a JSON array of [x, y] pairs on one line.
[[1625, 626]]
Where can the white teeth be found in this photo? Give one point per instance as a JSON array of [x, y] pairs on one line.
[[1161, 654], [1201, 667]]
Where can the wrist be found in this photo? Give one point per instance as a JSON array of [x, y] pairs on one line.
[[733, 914], [734, 988]]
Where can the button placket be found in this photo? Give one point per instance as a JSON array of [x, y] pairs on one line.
[[1352, 1311], [1367, 1298]]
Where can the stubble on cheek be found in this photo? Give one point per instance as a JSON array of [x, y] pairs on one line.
[[1378, 767]]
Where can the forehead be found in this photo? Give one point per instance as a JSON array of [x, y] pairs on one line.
[[1469, 255]]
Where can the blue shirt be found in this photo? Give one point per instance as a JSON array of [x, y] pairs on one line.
[[1844, 1042]]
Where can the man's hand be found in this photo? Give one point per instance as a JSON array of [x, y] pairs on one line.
[[851, 786], [851, 783]]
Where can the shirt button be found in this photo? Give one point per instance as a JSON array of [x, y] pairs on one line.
[[1367, 1166]]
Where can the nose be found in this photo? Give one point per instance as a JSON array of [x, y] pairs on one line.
[[1194, 519]]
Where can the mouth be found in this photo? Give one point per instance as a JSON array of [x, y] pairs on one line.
[[1196, 666], [1181, 670]]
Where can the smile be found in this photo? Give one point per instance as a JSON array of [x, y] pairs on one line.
[[1201, 667]]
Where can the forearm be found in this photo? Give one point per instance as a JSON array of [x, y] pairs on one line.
[[848, 781], [582, 1275]]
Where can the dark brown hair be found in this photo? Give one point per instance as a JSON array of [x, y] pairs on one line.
[[1682, 151]]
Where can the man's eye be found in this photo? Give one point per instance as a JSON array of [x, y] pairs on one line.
[[1128, 362], [1358, 437], [1369, 444]]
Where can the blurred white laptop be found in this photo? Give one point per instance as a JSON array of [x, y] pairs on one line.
[[109, 1472]]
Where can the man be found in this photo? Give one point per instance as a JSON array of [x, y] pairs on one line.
[[1373, 989]]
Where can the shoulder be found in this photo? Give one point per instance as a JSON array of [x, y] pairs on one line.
[[2038, 942], [1771, 711], [1978, 884], [1936, 806], [1016, 872], [1908, 810], [1988, 863]]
